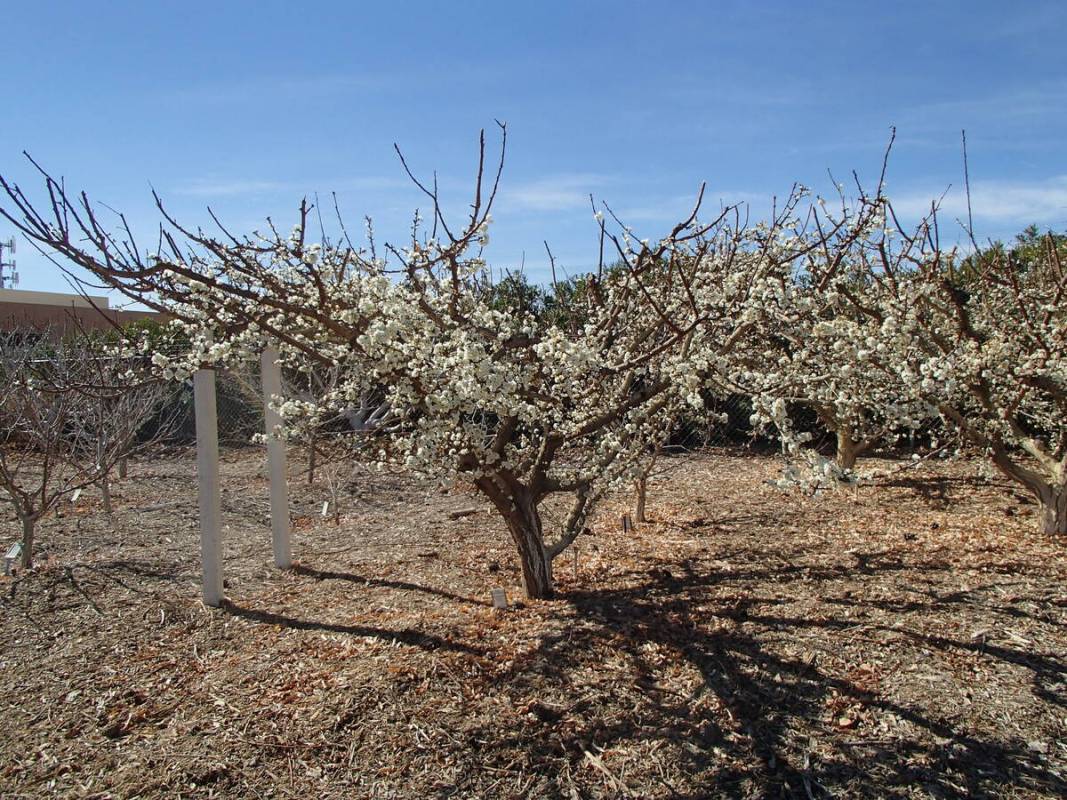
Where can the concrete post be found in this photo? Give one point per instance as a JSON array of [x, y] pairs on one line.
[[271, 374], [207, 472]]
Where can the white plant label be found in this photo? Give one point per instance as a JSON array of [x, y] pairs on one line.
[[500, 598]]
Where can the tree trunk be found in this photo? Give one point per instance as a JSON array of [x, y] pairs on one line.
[[311, 461], [1054, 511], [105, 492], [518, 506], [123, 466], [524, 524], [28, 525], [642, 493], [1050, 490], [848, 449]]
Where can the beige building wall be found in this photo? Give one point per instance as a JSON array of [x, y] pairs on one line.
[[50, 299], [57, 313]]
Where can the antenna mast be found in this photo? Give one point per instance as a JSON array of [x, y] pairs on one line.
[[9, 279]]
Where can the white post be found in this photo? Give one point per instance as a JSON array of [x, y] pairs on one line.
[[207, 471], [271, 375]]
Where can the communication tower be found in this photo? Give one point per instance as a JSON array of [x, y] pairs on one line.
[[9, 279]]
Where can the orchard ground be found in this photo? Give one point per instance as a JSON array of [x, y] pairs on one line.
[[907, 639]]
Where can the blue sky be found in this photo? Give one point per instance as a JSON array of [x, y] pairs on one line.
[[247, 107]]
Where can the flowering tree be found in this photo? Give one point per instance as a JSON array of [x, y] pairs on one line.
[[823, 346], [817, 342], [479, 390], [909, 330], [991, 355], [522, 404], [309, 382]]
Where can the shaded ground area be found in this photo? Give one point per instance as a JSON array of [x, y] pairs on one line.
[[903, 640]]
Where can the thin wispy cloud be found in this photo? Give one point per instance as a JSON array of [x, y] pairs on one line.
[[208, 187], [205, 187], [672, 208], [1018, 108], [555, 193], [1008, 202]]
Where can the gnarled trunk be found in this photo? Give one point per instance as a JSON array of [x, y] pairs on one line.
[[1050, 489], [1054, 510], [848, 449], [518, 506], [524, 524]]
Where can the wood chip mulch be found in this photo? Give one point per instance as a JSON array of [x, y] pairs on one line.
[[906, 639]]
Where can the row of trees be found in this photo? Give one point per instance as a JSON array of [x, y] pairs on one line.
[[72, 411], [525, 396]]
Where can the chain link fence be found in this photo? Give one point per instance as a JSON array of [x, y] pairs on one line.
[[239, 403]]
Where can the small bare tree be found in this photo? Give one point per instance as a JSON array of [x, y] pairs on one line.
[[70, 412]]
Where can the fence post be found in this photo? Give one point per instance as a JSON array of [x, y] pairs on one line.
[[271, 377], [207, 472]]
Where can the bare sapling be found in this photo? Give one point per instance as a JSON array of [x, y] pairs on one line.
[[71, 411]]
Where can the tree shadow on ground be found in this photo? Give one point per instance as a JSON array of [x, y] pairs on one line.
[[759, 722], [405, 586], [939, 490], [408, 636], [141, 569]]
